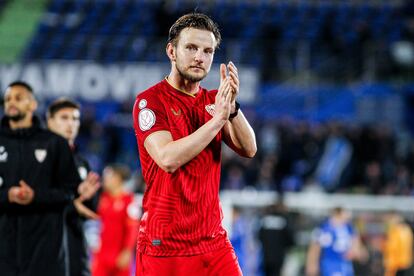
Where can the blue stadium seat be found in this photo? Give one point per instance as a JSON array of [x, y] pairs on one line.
[[105, 22]]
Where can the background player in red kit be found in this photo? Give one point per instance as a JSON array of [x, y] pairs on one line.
[[179, 127], [119, 222]]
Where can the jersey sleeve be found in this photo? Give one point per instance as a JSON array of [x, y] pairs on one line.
[[149, 116]]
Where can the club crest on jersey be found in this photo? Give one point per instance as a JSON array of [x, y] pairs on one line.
[[146, 119], [142, 103], [211, 109], [40, 155], [3, 154]]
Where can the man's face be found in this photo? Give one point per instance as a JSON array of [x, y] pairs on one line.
[[345, 216], [18, 103], [65, 122], [194, 53]]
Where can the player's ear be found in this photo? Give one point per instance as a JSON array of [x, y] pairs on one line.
[[170, 50], [33, 105]]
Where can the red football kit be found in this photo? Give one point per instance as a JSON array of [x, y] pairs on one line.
[[118, 232], [182, 213]]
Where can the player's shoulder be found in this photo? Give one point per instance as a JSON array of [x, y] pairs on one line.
[[58, 142], [325, 225], [153, 91], [153, 96], [46, 134]]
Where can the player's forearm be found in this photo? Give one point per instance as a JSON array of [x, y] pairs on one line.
[[240, 136], [312, 260], [177, 153]]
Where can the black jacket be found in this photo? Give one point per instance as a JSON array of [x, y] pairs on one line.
[[79, 261], [32, 237]]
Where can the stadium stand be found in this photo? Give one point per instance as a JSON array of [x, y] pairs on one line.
[[109, 31]]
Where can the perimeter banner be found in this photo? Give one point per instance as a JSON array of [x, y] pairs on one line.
[[95, 82]]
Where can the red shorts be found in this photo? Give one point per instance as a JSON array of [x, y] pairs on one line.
[[220, 262]]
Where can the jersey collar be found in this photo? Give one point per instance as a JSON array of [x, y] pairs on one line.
[[180, 90]]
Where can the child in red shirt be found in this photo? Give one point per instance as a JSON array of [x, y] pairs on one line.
[[119, 222]]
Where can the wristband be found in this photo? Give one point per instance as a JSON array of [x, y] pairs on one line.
[[234, 114]]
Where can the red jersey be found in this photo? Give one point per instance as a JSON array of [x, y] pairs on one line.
[[182, 213], [118, 226]]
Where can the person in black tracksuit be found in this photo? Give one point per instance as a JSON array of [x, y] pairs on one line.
[[277, 236], [63, 118], [38, 179]]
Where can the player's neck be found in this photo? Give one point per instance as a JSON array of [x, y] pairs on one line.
[[24, 123], [72, 145], [337, 221], [183, 85]]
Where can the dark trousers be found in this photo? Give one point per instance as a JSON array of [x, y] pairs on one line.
[[273, 268], [402, 272]]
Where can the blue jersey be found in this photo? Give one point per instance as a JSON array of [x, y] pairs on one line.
[[335, 241]]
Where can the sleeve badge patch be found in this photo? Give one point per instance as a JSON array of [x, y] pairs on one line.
[[146, 119], [142, 103]]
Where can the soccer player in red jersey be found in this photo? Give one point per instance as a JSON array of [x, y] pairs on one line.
[[118, 215], [179, 128]]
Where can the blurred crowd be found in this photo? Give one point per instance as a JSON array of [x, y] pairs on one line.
[[293, 155], [333, 156]]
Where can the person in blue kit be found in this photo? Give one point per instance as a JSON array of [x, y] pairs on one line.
[[334, 246]]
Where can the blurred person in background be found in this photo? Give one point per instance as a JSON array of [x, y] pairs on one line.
[[276, 234], [180, 127], [119, 221], [239, 236], [335, 159], [398, 248], [334, 246], [63, 118], [38, 180]]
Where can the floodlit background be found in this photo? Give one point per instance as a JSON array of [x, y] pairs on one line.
[[328, 86]]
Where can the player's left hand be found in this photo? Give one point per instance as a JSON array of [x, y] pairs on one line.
[[89, 186], [234, 82], [25, 195], [124, 259]]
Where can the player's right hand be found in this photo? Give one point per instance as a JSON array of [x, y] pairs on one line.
[[13, 194]]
